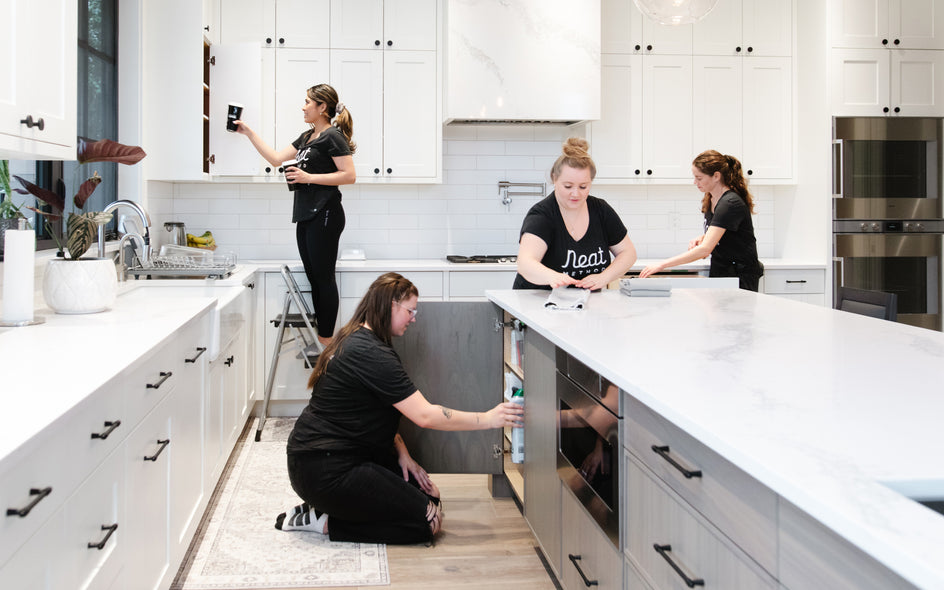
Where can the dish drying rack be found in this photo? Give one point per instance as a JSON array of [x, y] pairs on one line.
[[212, 265]]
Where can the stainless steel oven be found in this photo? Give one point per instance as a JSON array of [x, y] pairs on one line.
[[588, 449], [888, 221]]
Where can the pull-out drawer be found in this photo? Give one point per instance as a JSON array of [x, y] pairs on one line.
[[739, 505], [587, 555], [795, 281], [674, 546]]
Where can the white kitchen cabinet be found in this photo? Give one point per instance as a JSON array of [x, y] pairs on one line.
[[297, 70], [276, 24], [806, 285], [616, 140], [746, 28], [235, 76], [878, 82], [211, 21], [626, 30], [892, 24], [391, 24], [38, 79], [667, 94]]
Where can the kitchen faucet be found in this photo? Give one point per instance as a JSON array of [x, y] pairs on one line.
[[122, 265], [142, 215]]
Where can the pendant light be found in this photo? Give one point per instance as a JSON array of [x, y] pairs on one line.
[[675, 12]]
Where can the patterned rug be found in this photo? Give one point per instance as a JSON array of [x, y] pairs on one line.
[[240, 546]]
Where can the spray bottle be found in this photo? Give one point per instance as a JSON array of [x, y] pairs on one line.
[[517, 432]]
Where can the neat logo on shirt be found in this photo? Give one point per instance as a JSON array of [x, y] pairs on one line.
[[585, 263], [302, 156]]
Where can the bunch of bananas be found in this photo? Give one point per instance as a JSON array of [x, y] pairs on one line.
[[205, 241]]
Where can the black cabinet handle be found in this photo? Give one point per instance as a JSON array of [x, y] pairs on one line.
[[574, 559], [389, 43], [737, 49], [638, 171], [750, 172], [663, 550], [638, 47], [163, 444], [28, 121], [796, 281], [389, 170], [281, 40], [109, 428], [885, 110], [649, 172], [648, 47], [207, 28], [39, 493], [101, 544], [377, 42], [663, 452], [165, 375], [750, 49], [897, 41], [376, 170], [884, 41], [897, 109], [269, 169], [200, 350], [229, 362], [268, 40]]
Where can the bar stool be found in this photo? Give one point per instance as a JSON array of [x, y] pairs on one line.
[[295, 329]]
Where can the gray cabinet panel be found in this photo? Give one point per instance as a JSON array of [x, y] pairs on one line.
[[454, 355]]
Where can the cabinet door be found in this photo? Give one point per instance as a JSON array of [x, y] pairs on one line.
[[37, 565], [303, 24], [213, 423], [38, 35], [860, 82], [665, 40], [357, 75], [211, 21], [248, 21], [586, 553], [296, 71], [617, 137], [412, 129], [186, 463], [917, 83], [719, 33], [859, 23], [357, 24], [667, 116], [235, 76], [410, 24], [767, 28], [621, 27], [454, 356], [718, 111], [768, 117], [916, 25]]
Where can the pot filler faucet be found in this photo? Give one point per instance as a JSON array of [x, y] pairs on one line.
[[142, 215]]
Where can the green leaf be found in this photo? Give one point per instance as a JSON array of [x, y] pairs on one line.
[[106, 150]]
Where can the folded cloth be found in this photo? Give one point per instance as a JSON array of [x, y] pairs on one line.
[[567, 298], [645, 287]]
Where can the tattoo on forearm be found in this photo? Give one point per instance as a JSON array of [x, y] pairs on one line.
[[477, 415], [446, 412]]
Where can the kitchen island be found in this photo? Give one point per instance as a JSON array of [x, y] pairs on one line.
[[831, 411]]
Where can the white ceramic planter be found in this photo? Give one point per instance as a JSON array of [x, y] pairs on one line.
[[87, 285]]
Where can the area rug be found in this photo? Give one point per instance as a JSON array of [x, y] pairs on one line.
[[241, 548]]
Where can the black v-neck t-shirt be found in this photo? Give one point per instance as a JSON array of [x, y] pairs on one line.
[[578, 258], [316, 156]]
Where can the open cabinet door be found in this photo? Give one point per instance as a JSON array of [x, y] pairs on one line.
[[454, 356], [235, 76]]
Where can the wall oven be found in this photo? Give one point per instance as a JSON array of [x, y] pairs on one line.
[[588, 441], [888, 221]]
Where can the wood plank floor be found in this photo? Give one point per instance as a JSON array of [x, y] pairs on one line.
[[485, 544]]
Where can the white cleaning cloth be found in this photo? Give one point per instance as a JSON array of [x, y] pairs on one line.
[[646, 287], [567, 298]]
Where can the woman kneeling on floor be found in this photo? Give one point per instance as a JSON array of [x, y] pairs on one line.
[[345, 458]]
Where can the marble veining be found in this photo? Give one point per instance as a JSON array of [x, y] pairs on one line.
[[819, 405]]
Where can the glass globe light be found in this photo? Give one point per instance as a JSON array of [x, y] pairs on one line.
[[675, 12]]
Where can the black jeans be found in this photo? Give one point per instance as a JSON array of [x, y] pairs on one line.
[[748, 275], [317, 240], [366, 500]]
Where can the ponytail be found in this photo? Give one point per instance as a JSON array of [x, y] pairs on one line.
[[732, 175], [336, 111]]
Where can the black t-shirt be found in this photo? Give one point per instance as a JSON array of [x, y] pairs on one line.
[[737, 246], [351, 406], [590, 255], [315, 157]]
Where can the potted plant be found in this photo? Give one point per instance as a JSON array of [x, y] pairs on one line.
[[10, 213], [77, 284]]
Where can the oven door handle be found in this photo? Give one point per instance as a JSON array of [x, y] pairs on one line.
[[838, 160]]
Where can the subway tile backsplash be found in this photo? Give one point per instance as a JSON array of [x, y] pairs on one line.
[[463, 215]]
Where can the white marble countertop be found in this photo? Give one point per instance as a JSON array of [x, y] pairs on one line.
[[817, 404]]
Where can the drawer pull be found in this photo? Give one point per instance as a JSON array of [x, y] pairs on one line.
[[229, 362], [163, 444], [796, 281], [22, 512], [101, 544], [165, 375], [664, 453], [663, 550], [200, 350], [109, 428], [574, 559]]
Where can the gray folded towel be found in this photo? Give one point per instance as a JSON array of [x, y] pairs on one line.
[[646, 287], [567, 298]]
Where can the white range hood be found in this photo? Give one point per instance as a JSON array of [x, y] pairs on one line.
[[522, 61]]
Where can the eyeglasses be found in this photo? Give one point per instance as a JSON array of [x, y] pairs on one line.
[[412, 311]]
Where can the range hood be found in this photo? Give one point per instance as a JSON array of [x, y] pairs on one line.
[[522, 61]]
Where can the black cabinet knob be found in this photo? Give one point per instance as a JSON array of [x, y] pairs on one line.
[[376, 170], [389, 43], [30, 123], [268, 40], [649, 172], [638, 171], [897, 41], [206, 28], [885, 110], [648, 47], [281, 169], [884, 41], [377, 42], [389, 170], [750, 172], [268, 169], [638, 47], [737, 49], [281, 40], [897, 109], [750, 49]]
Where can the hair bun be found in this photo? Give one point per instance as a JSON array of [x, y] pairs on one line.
[[576, 147]]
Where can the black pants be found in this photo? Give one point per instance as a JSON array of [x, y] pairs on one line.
[[318, 247], [367, 501], [748, 275]]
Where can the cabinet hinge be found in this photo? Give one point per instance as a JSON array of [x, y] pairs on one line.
[[497, 452], [212, 60], [513, 324]]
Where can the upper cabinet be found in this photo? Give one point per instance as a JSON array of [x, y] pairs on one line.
[[886, 58], [211, 21], [893, 24], [38, 79], [376, 24], [746, 28]]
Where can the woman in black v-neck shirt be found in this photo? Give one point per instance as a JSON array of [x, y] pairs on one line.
[[324, 162], [571, 237], [729, 230]]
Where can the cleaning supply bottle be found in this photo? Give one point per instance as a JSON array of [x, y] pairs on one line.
[[517, 432]]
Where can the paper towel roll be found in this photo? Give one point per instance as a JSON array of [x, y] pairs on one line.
[[18, 274]]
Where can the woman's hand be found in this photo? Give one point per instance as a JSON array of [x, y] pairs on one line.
[[242, 127], [408, 466], [592, 282], [505, 414], [561, 279], [651, 269], [294, 174]]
